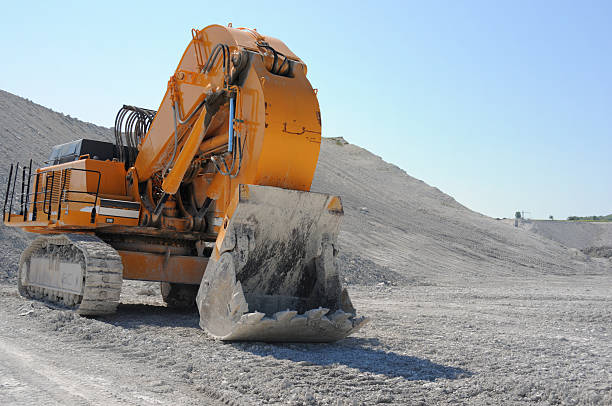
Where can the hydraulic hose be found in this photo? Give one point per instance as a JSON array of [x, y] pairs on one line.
[[233, 171], [213, 58], [176, 109]]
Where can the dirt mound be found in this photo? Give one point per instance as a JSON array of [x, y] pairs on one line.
[[404, 225], [574, 234]]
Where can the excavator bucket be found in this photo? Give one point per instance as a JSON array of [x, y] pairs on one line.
[[273, 274]]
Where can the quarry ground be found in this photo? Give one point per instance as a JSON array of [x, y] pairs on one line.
[[503, 341]]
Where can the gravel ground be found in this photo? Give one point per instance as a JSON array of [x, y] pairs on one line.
[[503, 341]]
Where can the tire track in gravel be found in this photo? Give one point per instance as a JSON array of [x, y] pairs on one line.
[[28, 376], [46, 367]]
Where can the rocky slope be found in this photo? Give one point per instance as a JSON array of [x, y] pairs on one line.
[[29, 131], [409, 227]]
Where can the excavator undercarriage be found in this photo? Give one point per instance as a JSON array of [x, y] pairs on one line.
[[76, 270], [208, 195]]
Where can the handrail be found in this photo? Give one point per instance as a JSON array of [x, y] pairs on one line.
[[36, 192], [50, 194], [22, 189], [13, 193], [65, 191], [28, 198], [8, 188]]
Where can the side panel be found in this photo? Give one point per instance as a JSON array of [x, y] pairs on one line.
[[83, 194]]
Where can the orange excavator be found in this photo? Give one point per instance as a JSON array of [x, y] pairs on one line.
[[209, 195]]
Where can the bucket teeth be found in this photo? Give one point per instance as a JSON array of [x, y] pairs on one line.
[[284, 316], [339, 316], [341, 319], [252, 318], [289, 326], [316, 314]]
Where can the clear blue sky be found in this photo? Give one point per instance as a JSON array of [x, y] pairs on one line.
[[503, 105]]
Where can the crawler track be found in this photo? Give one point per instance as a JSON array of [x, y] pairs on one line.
[[74, 270]]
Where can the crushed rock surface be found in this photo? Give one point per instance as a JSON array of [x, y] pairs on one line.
[[498, 342]]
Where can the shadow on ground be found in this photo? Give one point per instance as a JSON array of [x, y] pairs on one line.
[[357, 353], [138, 315], [354, 352]]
